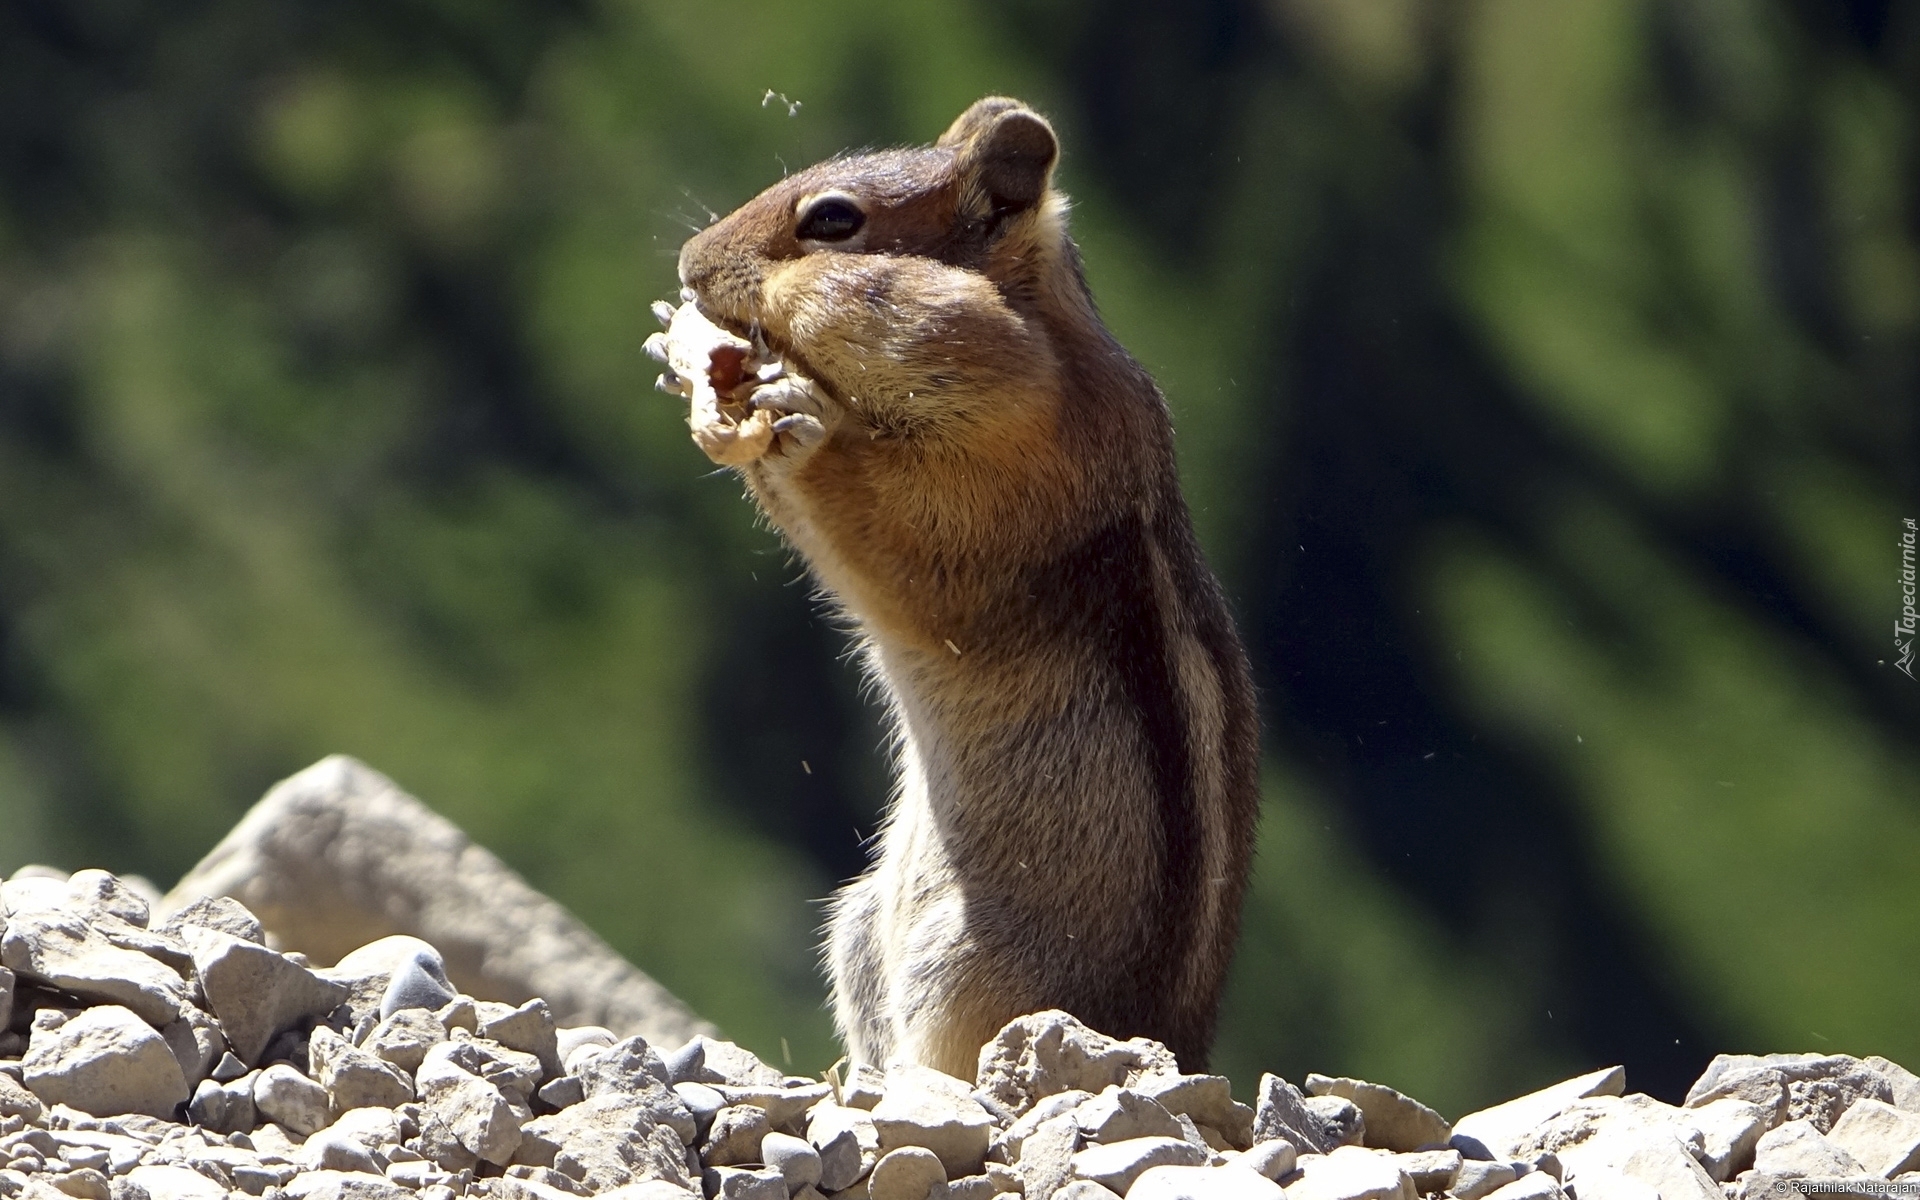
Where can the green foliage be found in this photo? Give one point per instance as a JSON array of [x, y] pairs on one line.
[[1545, 380]]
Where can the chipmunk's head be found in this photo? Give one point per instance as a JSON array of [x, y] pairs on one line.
[[980, 198]]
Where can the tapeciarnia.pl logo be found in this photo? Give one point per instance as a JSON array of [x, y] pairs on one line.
[[1904, 626]]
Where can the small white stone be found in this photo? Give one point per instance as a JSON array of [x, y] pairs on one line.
[[1884, 1139], [919, 1110], [1537, 1185], [1798, 1150], [1116, 1166], [1273, 1158], [797, 1162], [105, 1062], [1501, 1127], [286, 1097], [1350, 1173], [1121, 1113], [909, 1173], [1203, 1183], [1729, 1129]]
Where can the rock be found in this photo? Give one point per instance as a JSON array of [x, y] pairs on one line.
[[846, 1140], [84, 1183], [103, 892], [925, 1108], [223, 1107], [330, 1150], [1478, 1178], [605, 1142], [1048, 1052], [909, 1173], [62, 949], [342, 1185], [582, 1037], [651, 1189], [228, 1068], [7, 982], [1499, 1128], [1121, 1113], [1665, 1165], [528, 1029], [745, 1183], [1208, 1099], [1340, 1117], [1728, 1130], [798, 1163], [784, 1105], [736, 1136], [1795, 1087], [288, 1098], [1393, 1121], [1282, 1113], [624, 1068], [1116, 1166], [222, 914], [1006, 1144], [337, 856], [354, 1078], [634, 1072], [558, 1093], [174, 1183], [419, 982], [1883, 1139], [1274, 1158], [865, 1085], [1203, 1183], [28, 891], [1904, 1083], [1046, 1155], [1635, 1135], [1430, 1170], [196, 1042], [1798, 1150], [1604, 1183], [702, 1101], [1350, 1173], [472, 1108], [1079, 1189], [106, 1061], [404, 1038], [17, 1101], [1536, 1186], [255, 992]]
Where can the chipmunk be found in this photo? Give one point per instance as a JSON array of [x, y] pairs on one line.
[[905, 364]]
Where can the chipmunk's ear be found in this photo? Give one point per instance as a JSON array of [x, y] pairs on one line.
[[1005, 152]]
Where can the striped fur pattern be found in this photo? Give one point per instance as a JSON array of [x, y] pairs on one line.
[[986, 488]]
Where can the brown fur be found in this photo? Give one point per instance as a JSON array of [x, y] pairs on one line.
[[994, 502]]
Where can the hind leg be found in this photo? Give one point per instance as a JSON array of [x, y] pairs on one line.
[[858, 973]]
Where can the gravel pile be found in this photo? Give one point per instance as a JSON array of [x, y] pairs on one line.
[[186, 1060]]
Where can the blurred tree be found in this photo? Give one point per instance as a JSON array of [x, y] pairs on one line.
[[1546, 382]]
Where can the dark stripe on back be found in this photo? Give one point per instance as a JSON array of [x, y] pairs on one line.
[[1102, 592]]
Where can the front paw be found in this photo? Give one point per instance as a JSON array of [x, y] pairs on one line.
[[801, 412]]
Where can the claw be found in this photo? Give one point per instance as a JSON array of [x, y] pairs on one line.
[[662, 312], [804, 429], [656, 347], [671, 384]]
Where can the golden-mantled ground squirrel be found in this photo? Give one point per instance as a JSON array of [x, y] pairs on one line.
[[905, 364]]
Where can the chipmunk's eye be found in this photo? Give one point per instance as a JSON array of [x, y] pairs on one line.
[[829, 218]]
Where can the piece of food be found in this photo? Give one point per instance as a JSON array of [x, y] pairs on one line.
[[717, 372]]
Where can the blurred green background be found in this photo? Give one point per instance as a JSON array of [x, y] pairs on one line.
[[1546, 383]]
